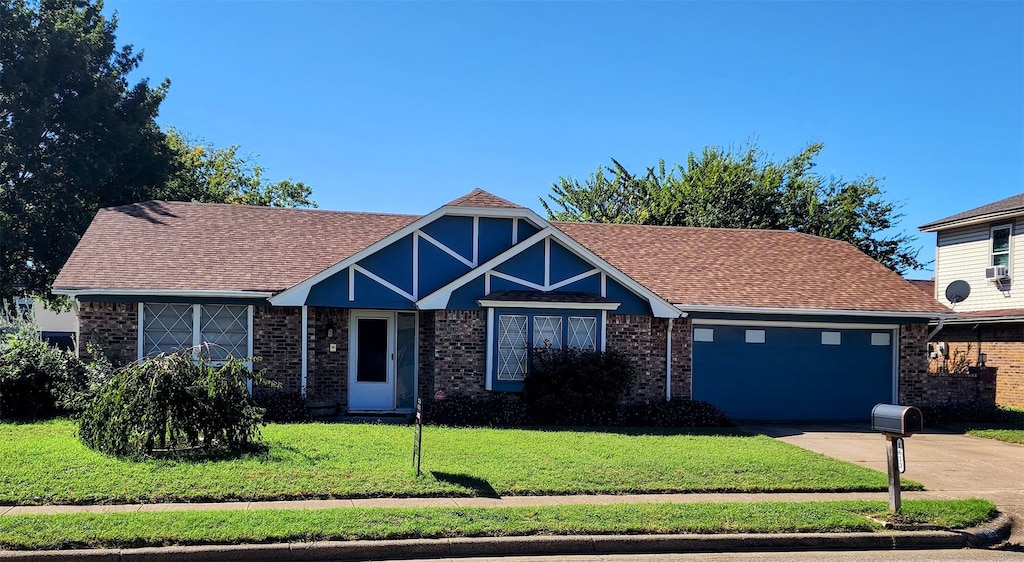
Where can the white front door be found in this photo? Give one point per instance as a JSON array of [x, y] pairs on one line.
[[371, 381]]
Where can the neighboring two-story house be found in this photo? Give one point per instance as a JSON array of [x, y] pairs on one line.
[[979, 272]]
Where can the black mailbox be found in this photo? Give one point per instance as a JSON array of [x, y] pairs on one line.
[[896, 420]]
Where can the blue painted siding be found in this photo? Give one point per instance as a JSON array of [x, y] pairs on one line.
[[631, 304], [495, 237], [437, 268], [528, 265], [332, 291], [590, 284], [370, 294], [498, 284], [565, 264], [454, 232], [465, 297], [392, 263], [526, 230], [792, 376]]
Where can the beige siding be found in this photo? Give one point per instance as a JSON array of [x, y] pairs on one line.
[[964, 253]]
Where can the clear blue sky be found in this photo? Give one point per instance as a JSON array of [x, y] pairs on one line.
[[401, 107]]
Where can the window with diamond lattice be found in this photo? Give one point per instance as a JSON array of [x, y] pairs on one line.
[[583, 332], [166, 328], [547, 331], [226, 329], [512, 356]]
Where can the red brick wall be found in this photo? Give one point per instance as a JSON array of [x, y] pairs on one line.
[[682, 358], [921, 384], [112, 326], [328, 370], [276, 340], [1003, 345], [425, 369], [644, 339], [460, 349]]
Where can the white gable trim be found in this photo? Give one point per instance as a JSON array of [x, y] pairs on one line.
[[439, 299], [297, 294], [814, 311]]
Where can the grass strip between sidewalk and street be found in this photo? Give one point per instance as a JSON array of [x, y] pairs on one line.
[[45, 463], [139, 529]]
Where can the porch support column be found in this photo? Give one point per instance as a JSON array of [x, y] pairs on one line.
[[305, 346]]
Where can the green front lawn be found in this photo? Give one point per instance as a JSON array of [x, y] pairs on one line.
[[264, 526], [1008, 435], [44, 463]]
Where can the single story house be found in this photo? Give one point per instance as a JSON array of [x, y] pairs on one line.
[[374, 310]]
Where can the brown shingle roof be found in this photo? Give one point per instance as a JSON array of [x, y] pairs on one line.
[[481, 198], [1011, 204], [194, 246], [927, 286], [201, 246], [751, 268]]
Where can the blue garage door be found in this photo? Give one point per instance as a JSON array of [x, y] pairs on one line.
[[790, 374]]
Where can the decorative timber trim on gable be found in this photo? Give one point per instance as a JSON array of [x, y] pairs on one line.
[[297, 294], [439, 299]]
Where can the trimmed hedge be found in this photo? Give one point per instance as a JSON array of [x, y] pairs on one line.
[[978, 411], [509, 410], [282, 407]]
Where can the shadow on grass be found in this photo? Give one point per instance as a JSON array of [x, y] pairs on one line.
[[481, 487]]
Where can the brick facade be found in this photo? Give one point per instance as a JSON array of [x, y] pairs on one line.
[[452, 353], [276, 340], [114, 327], [1003, 346], [327, 377], [459, 352], [644, 339], [922, 383]]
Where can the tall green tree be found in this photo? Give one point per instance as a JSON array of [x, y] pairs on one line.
[[75, 133], [741, 188], [207, 174]]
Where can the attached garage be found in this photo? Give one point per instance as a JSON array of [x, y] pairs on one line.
[[794, 371]]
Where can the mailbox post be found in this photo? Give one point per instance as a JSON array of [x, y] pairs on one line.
[[895, 422]]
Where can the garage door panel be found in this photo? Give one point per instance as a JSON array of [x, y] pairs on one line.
[[792, 375]]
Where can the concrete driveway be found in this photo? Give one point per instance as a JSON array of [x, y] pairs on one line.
[[949, 465]]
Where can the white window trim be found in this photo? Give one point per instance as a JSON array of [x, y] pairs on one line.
[[569, 333], [1009, 246], [196, 333]]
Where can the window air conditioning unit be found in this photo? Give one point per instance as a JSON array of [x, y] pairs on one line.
[[996, 273]]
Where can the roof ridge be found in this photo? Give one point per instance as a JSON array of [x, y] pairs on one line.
[[481, 198]]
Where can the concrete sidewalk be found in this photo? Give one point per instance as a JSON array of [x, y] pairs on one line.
[[508, 501], [949, 465]]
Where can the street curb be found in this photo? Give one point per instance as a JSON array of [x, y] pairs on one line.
[[979, 537]]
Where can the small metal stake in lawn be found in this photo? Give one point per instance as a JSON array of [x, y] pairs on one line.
[[417, 442]]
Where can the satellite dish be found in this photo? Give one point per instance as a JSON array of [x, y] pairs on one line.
[[958, 291]]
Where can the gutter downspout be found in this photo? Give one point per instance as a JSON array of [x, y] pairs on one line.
[[937, 328], [305, 347], [668, 360]]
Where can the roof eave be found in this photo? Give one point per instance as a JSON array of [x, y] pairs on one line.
[[199, 293], [816, 311], [987, 217]]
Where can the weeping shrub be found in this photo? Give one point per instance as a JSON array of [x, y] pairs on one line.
[[173, 403]]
